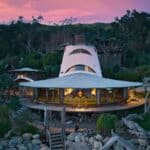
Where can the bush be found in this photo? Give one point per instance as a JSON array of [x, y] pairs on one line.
[[14, 103], [23, 127], [127, 75], [4, 112], [5, 126], [105, 123]]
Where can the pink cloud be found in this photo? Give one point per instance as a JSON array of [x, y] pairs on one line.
[[55, 10]]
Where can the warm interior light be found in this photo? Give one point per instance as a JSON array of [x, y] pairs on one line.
[[80, 93], [68, 91], [20, 76], [93, 91]]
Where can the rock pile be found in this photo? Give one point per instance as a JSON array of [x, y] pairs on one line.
[[81, 141], [25, 142]]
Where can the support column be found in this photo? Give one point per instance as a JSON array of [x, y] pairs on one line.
[[63, 121], [125, 93], [50, 115], [98, 96], [61, 95], [20, 92], [46, 95], [35, 95], [46, 120]]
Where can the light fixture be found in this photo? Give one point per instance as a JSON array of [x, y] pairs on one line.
[[93, 91], [68, 91], [80, 93]]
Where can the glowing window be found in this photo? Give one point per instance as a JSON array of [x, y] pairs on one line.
[[83, 51]]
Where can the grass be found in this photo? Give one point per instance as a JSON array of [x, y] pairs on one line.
[[145, 123]]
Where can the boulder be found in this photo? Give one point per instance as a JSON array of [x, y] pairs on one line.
[[97, 145], [99, 137], [77, 138], [143, 142], [78, 146], [27, 136], [29, 146], [148, 147], [86, 139], [45, 148], [15, 141], [4, 143], [21, 147], [36, 142], [71, 137], [91, 140], [1, 147], [83, 138], [36, 147], [36, 136], [118, 147]]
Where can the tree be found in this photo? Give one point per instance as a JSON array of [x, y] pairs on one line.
[[6, 82]]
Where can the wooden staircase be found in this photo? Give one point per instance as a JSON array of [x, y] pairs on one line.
[[56, 141]]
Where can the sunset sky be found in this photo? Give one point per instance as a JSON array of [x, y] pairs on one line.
[[86, 11]]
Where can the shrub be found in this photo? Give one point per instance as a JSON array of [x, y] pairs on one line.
[[105, 123], [23, 127], [4, 112], [127, 75], [5, 126]]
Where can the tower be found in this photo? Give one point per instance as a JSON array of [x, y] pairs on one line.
[[80, 58]]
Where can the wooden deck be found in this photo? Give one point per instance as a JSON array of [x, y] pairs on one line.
[[104, 108]]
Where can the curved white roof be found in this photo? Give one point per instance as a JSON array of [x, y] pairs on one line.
[[26, 69], [24, 78], [80, 80]]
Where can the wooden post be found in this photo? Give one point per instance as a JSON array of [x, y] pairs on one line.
[[61, 95], [45, 117], [46, 122], [46, 94], [63, 120]]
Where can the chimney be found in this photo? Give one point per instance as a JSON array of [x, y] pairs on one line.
[[79, 39]]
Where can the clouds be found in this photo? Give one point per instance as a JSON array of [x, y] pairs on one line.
[[55, 10]]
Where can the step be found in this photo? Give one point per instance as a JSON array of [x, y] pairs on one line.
[[57, 146], [56, 139], [55, 135], [58, 142]]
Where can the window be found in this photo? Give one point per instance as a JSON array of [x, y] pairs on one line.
[[80, 68], [77, 51]]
